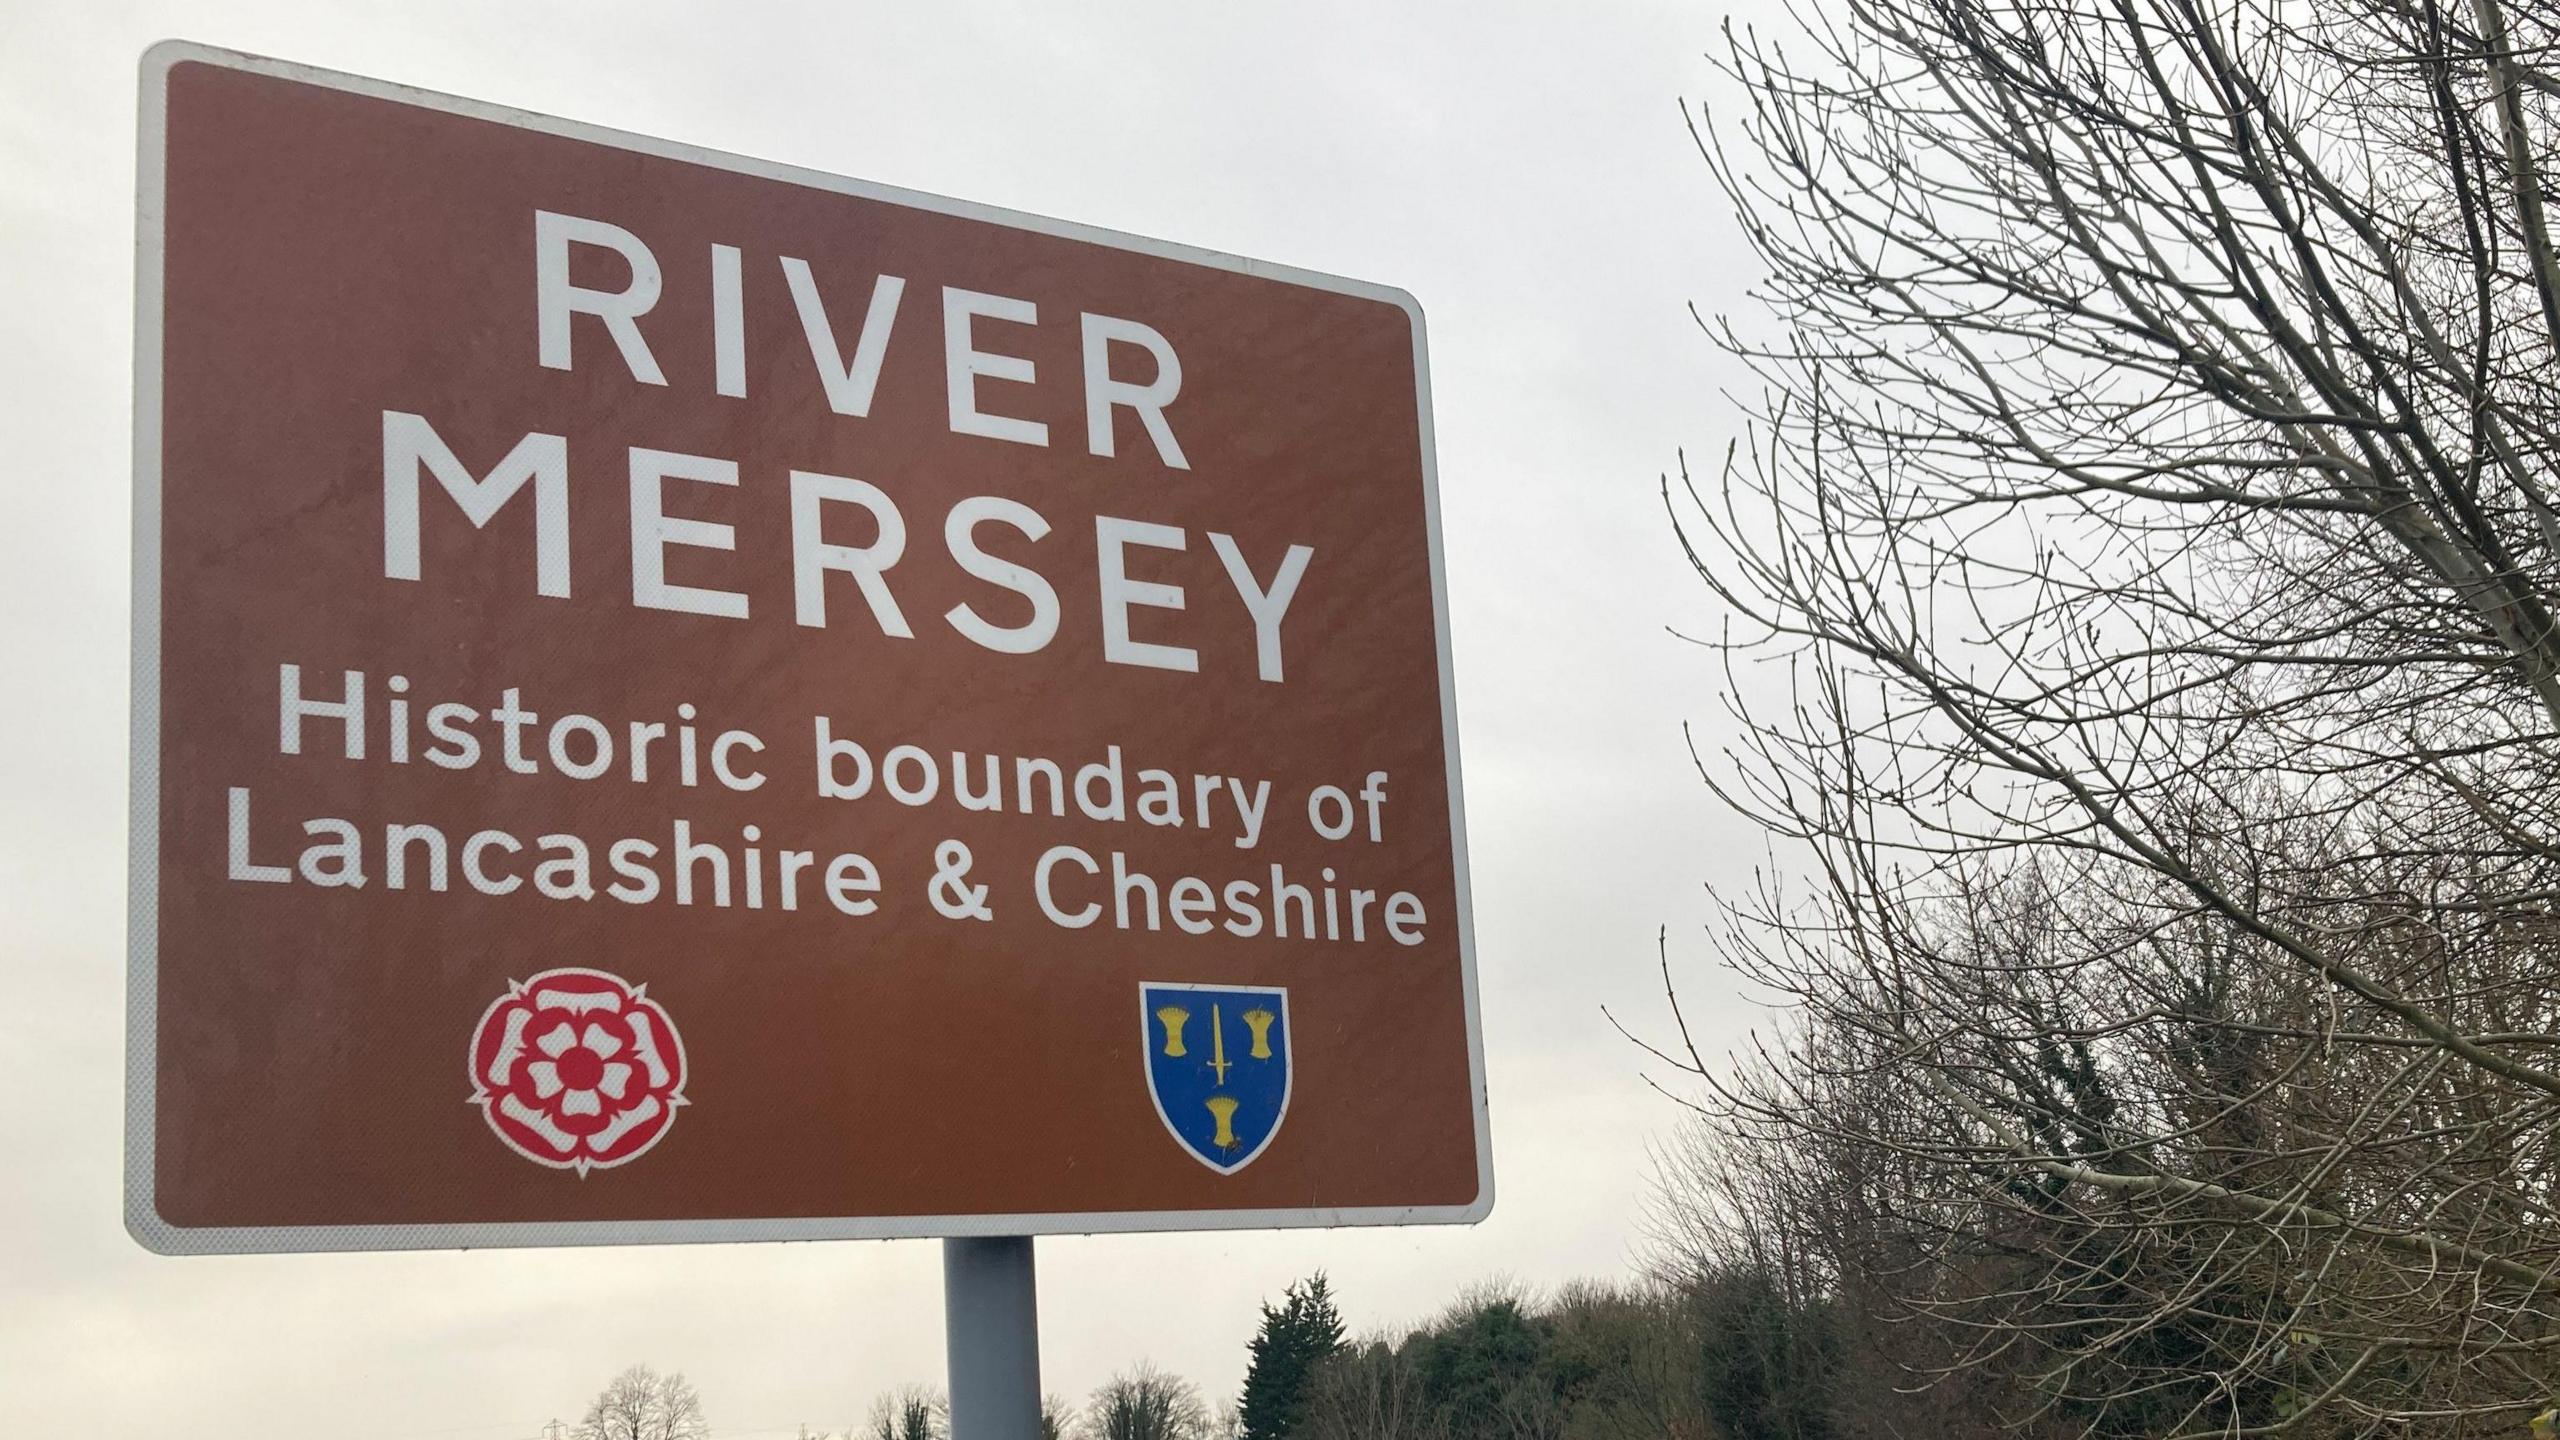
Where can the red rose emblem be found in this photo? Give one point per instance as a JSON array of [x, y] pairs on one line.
[[577, 1069]]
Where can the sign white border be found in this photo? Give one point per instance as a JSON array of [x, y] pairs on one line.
[[142, 1218]]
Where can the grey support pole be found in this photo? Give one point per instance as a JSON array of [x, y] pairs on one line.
[[991, 1324]]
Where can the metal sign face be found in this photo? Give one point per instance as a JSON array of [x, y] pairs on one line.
[[677, 698]]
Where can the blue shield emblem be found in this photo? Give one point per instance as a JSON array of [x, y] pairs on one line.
[[1218, 1067]]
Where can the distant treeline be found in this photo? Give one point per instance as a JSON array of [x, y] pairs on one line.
[[1722, 1357]]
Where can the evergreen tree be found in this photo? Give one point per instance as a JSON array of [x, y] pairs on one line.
[[1293, 1341], [1486, 1368]]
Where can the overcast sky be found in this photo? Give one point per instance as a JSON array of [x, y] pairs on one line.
[[1521, 169]]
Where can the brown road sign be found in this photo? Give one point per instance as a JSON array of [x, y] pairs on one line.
[[677, 698]]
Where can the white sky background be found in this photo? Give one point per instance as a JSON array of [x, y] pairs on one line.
[[1521, 169]]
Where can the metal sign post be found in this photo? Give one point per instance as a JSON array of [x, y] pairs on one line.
[[991, 1321]]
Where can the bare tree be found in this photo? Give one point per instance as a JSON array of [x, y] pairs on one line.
[[641, 1404], [1144, 1403], [910, 1412], [1367, 1391], [2142, 574], [622, 1409], [680, 1414]]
